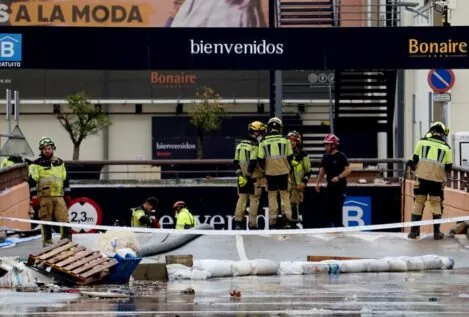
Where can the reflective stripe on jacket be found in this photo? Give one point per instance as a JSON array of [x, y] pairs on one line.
[[433, 156], [48, 178]]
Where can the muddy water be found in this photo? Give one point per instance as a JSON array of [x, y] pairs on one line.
[[369, 294]]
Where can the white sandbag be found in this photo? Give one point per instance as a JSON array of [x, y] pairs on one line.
[[14, 278], [264, 267], [315, 268], [396, 264], [331, 261], [355, 266], [415, 263], [447, 262], [179, 274], [199, 275], [379, 265], [291, 268], [216, 268], [111, 241], [241, 268], [334, 266], [173, 267], [432, 262], [124, 252]]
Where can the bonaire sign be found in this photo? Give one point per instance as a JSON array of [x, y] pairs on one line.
[[79, 13]]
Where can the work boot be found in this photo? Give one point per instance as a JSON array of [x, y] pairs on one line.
[[415, 231], [253, 228], [437, 234], [294, 212], [238, 225]]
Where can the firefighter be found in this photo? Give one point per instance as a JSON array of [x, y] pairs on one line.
[[248, 187], [300, 174], [335, 166], [274, 156], [50, 188], [145, 214], [184, 219], [432, 159], [429, 135]]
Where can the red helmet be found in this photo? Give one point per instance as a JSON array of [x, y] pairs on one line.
[[331, 139], [178, 204]]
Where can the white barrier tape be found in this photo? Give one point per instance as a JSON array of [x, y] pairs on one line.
[[246, 232]]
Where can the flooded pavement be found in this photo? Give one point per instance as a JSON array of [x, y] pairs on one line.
[[436, 293], [430, 293]]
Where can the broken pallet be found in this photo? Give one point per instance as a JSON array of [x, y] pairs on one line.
[[74, 261]]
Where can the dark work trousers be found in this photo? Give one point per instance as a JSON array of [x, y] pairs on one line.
[[335, 198]]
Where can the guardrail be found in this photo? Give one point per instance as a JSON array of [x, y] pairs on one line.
[[456, 179], [13, 175], [155, 170], [393, 170]]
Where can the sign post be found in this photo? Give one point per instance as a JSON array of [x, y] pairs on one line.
[[441, 81]]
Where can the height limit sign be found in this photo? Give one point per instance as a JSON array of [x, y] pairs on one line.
[[441, 80]]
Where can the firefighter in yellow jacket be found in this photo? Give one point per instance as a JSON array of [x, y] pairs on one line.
[[144, 216], [49, 186], [184, 219], [300, 175], [274, 157], [248, 188], [432, 159]]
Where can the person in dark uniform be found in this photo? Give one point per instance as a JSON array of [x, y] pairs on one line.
[[335, 166]]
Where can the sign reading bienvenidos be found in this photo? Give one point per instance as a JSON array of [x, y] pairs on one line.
[[77, 13], [437, 49]]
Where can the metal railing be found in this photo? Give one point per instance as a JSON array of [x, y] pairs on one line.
[[456, 179], [13, 175], [367, 13], [154, 171], [387, 170], [379, 170], [345, 13]]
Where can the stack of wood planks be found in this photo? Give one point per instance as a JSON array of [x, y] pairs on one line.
[[72, 261]]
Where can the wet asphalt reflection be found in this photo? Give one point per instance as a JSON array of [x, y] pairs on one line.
[[437, 293]]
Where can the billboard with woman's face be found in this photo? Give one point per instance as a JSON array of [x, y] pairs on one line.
[[135, 13]]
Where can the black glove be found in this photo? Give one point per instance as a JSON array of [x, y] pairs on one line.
[[411, 164]]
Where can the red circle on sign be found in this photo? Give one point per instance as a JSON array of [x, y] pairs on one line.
[[85, 200], [441, 90]]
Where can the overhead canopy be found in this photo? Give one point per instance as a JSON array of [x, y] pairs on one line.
[[243, 48]]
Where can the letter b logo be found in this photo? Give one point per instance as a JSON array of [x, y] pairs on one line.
[[7, 49], [10, 47]]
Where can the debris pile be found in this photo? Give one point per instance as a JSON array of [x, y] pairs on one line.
[[67, 264]]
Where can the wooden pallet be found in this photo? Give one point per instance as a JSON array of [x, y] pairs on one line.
[[72, 260]]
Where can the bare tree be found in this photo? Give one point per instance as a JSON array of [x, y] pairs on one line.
[[84, 120], [205, 114]]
